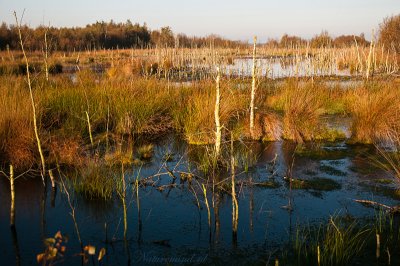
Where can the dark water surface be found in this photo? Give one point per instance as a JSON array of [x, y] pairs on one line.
[[171, 224]]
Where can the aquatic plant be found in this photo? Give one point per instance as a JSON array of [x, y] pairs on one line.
[[338, 242], [95, 181], [317, 183], [145, 152]]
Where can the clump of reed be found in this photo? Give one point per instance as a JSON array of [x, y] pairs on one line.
[[137, 67], [145, 152], [337, 243], [194, 115], [95, 181], [267, 127], [375, 112], [390, 156], [119, 106], [302, 109], [17, 144], [203, 157], [142, 108], [65, 150], [194, 112]]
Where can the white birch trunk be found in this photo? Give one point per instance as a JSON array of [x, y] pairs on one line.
[[12, 209], [369, 61], [253, 89], [218, 133]]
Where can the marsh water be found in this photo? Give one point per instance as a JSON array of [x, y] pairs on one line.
[[170, 226], [268, 67], [276, 68]]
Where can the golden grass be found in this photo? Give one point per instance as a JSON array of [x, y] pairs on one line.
[[374, 110], [302, 109], [16, 130], [194, 113], [131, 99]]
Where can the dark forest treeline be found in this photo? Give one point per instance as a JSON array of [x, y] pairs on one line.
[[112, 35], [105, 35]]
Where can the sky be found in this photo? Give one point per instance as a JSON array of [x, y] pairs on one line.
[[234, 19]]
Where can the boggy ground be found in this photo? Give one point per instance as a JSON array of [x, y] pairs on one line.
[[76, 115]]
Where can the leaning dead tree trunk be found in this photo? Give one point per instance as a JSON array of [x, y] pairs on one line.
[[217, 117], [390, 209], [35, 127], [253, 89]]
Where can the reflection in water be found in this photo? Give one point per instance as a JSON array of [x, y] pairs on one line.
[[15, 245], [281, 68], [175, 214], [43, 210], [53, 196], [235, 205], [217, 222], [288, 151], [140, 224], [251, 207]]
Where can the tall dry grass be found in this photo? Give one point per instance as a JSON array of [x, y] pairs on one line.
[[130, 100], [302, 106], [122, 106], [194, 112], [374, 109], [16, 132]]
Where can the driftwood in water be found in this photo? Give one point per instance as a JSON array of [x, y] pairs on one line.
[[389, 209]]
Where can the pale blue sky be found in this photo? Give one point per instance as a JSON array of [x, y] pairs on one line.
[[235, 19]]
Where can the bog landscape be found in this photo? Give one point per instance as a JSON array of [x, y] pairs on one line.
[[122, 145]]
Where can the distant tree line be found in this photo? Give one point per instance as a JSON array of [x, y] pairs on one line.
[[112, 35], [105, 35], [388, 36], [322, 40], [389, 33]]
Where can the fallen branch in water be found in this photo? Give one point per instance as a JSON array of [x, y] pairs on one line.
[[390, 209]]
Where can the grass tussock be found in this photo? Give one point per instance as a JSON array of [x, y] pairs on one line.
[[267, 127], [302, 110], [95, 181], [17, 143], [145, 152], [121, 107], [66, 151], [375, 112], [194, 112], [94, 109], [339, 242]]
